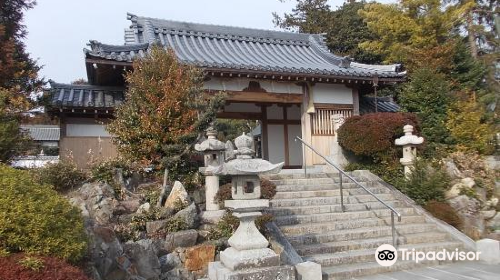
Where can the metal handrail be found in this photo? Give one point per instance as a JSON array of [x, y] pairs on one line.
[[343, 173]]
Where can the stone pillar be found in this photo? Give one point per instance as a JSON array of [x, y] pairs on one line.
[[211, 189], [409, 143]]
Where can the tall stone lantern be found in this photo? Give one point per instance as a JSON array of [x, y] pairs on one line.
[[409, 143], [248, 257], [213, 151]]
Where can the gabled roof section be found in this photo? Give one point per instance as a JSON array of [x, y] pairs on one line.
[[235, 49], [384, 104], [42, 132], [66, 96]]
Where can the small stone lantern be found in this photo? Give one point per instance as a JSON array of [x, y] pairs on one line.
[[248, 257], [213, 151], [409, 143]]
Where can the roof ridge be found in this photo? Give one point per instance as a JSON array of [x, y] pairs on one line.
[[136, 21], [55, 85]]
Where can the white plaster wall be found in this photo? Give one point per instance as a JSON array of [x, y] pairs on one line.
[[332, 93], [82, 130], [238, 84], [295, 148], [294, 112], [274, 112], [276, 140]]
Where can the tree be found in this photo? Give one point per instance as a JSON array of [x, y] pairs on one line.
[[427, 94], [344, 29], [18, 76], [413, 32], [165, 112]]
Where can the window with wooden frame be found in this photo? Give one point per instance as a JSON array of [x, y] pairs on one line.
[[323, 122]]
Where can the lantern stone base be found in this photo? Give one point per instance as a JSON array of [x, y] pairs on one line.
[[238, 260], [217, 271]]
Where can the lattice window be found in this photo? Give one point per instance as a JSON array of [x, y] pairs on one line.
[[323, 120]]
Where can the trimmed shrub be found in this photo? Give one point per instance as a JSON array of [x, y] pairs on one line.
[[35, 219], [225, 227], [224, 193], [425, 183], [444, 212], [63, 176], [22, 267], [373, 135]]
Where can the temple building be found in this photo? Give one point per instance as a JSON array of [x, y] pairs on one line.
[[289, 82]]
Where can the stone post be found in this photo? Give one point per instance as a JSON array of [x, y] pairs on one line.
[[409, 143], [213, 151]]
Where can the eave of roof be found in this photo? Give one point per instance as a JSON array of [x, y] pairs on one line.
[[220, 49], [66, 96]]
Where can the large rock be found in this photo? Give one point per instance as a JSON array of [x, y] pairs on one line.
[[198, 257], [155, 226], [494, 222], [452, 169], [177, 195], [142, 255], [104, 252], [468, 209], [99, 200], [189, 215], [127, 207], [169, 262], [185, 238]]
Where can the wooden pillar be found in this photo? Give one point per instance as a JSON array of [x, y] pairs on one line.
[[355, 101], [264, 135]]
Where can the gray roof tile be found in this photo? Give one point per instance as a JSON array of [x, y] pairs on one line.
[[42, 132], [235, 48], [384, 104], [85, 96]]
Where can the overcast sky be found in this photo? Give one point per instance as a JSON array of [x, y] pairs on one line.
[[58, 30]]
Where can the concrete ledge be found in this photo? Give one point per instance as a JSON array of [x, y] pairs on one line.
[[282, 246], [308, 271], [489, 251]]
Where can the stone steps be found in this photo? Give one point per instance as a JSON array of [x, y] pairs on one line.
[[307, 210], [339, 246], [358, 233]]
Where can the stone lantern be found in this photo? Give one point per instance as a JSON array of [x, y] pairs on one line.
[[409, 143], [213, 152], [248, 257]]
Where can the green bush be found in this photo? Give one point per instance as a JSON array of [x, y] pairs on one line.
[[373, 135], [425, 183], [34, 218], [389, 172], [63, 175], [225, 227]]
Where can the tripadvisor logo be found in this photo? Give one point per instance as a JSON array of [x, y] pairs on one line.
[[387, 255]]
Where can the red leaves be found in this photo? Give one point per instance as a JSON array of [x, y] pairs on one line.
[[53, 269]]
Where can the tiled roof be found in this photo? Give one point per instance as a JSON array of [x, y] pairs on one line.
[[84, 96], [384, 104], [42, 132], [233, 48]]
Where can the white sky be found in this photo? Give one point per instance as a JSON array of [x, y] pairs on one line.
[[58, 30]]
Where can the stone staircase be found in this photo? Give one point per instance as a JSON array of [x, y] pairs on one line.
[[307, 211]]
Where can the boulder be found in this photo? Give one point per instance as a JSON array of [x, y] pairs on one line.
[[99, 200], [127, 207], [169, 262], [488, 214], [155, 226], [185, 238], [105, 250], [468, 182], [453, 192], [492, 203], [177, 195], [468, 209], [452, 169], [494, 222], [189, 215], [144, 208], [143, 259], [198, 257]]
